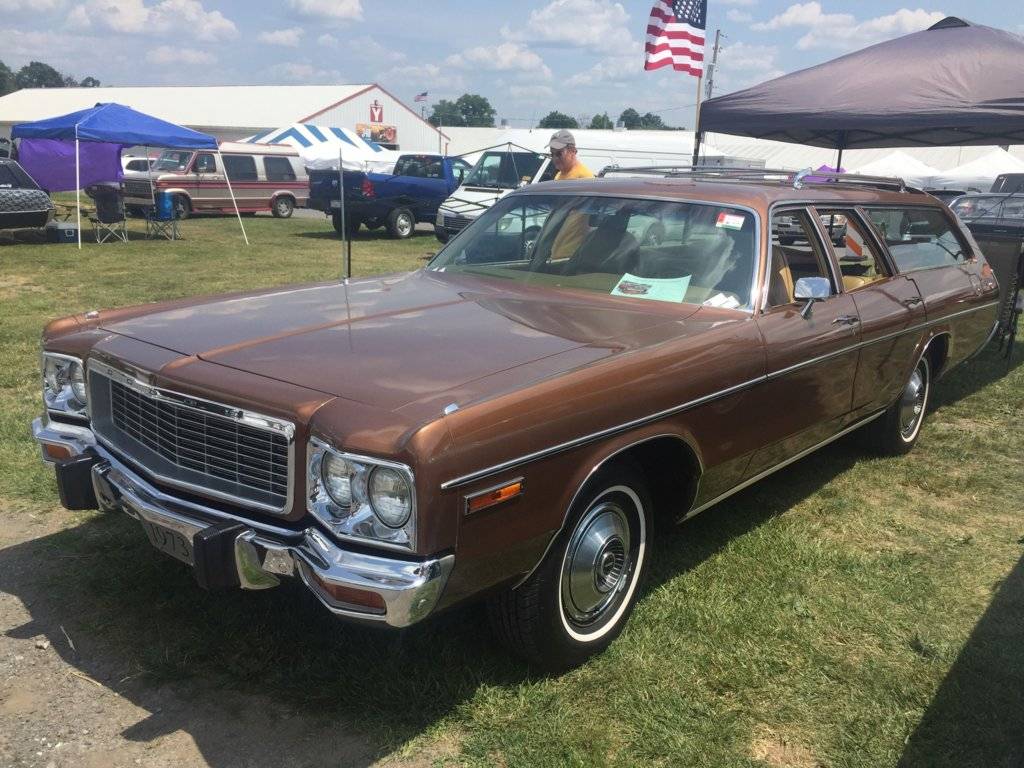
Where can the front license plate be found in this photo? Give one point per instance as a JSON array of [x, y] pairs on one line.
[[169, 541]]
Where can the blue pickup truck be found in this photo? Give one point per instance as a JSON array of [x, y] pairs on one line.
[[397, 201]]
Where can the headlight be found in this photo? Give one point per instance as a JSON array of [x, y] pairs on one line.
[[361, 498], [338, 473], [390, 497], [64, 389]]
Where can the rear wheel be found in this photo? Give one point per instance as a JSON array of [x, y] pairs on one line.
[[182, 207], [283, 207], [351, 223], [581, 595], [896, 431], [401, 223]]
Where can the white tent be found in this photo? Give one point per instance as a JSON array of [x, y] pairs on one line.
[[320, 147], [902, 165], [979, 174]]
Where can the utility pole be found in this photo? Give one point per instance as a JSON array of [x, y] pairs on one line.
[[714, 64]]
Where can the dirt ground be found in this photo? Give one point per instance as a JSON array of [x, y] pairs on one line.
[[53, 714]]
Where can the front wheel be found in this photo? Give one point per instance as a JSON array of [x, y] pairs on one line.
[[401, 223], [896, 431], [581, 595]]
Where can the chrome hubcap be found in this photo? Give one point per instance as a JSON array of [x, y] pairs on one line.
[[912, 403], [597, 564], [404, 225]]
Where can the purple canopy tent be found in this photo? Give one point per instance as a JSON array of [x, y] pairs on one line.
[[955, 83], [116, 125]]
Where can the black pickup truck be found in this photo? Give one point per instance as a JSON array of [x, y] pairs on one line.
[[411, 194]]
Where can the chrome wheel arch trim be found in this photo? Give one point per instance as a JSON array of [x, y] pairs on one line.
[[594, 469]]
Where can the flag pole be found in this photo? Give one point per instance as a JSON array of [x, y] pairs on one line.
[[696, 127]]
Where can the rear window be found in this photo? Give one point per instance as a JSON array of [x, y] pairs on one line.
[[420, 166], [278, 169], [240, 167], [919, 238]]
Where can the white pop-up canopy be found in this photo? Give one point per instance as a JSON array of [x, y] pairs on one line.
[[902, 165], [979, 174], [320, 146]]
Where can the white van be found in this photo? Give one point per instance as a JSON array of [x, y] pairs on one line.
[[524, 160]]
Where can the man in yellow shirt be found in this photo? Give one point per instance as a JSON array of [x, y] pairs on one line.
[[563, 155], [574, 229]]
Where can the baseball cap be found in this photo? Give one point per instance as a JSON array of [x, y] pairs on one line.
[[562, 139]]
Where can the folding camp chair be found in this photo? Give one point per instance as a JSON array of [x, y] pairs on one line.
[[109, 222], [161, 220]]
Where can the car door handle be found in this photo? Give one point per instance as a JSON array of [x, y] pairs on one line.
[[846, 320], [910, 303]]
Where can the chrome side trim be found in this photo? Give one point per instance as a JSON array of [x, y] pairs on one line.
[[201, 405], [577, 442], [590, 474], [780, 465]]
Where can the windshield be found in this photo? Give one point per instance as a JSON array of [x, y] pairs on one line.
[[648, 250], [504, 170], [989, 207], [173, 160]]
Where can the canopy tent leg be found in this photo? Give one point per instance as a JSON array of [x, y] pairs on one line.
[[346, 243], [78, 191], [839, 160], [231, 192], [697, 133]]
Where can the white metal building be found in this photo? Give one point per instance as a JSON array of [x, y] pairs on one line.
[[231, 112]]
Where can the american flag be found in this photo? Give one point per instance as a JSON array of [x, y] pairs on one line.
[[421, 96], [675, 36]]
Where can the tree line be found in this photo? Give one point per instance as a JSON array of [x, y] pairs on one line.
[[475, 111], [37, 74]]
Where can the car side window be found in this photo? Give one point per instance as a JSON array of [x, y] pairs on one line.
[[919, 238], [795, 252], [278, 169], [860, 262], [240, 167], [205, 163]]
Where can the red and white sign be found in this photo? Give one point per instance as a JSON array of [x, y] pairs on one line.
[[376, 112]]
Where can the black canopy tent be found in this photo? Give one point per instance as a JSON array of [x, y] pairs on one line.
[[955, 83]]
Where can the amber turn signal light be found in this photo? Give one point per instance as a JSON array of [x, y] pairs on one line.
[[493, 496], [351, 596], [56, 452]]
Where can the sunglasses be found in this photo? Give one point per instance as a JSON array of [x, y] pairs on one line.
[[557, 153]]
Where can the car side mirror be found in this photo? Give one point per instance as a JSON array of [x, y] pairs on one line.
[[811, 289]]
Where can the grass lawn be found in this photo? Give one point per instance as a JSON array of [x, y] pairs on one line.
[[848, 611]]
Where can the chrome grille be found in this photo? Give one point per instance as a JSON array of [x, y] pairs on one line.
[[457, 223], [136, 188], [188, 443]]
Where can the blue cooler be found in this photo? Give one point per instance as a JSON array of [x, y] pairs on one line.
[[164, 206]]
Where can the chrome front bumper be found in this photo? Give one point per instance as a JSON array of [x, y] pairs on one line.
[[407, 590]]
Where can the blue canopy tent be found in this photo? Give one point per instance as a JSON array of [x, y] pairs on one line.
[[117, 124]]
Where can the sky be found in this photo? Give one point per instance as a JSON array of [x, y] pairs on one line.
[[528, 57]]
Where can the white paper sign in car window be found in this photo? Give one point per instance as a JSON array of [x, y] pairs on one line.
[[730, 220], [656, 289]]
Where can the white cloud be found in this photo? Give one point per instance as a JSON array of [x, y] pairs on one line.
[[329, 9], [613, 69], [737, 2], [13, 6], [843, 30], [304, 72], [368, 48], [506, 57], [741, 17], [441, 83], [327, 39], [166, 16], [289, 38], [531, 92], [166, 54], [600, 25]]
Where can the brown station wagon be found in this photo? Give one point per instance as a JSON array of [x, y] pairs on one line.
[[586, 360]]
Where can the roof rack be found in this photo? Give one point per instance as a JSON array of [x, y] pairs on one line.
[[796, 179]]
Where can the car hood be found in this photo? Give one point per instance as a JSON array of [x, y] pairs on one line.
[[392, 340]]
